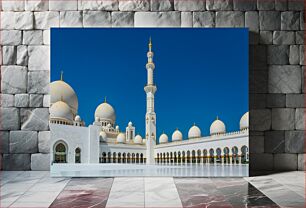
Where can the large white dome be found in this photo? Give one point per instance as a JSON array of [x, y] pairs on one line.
[[60, 110], [138, 139], [121, 138], [244, 121], [163, 138], [217, 127], [177, 136], [61, 91], [105, 112], [194, 132]]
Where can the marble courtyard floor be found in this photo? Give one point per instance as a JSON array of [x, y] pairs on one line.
[[38, 189]]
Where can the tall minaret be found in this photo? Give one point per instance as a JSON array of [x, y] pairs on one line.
[[150, 90]]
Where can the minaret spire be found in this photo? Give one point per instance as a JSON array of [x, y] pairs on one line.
[[150, 90], [62, 77]]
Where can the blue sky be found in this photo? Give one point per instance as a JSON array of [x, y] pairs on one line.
[[200, 74]]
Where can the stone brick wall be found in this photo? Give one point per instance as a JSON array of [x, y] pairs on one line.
[[276, 69]]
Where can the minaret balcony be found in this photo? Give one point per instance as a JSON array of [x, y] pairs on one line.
[[150, 88]]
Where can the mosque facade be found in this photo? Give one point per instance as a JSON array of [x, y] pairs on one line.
[[104, 142]]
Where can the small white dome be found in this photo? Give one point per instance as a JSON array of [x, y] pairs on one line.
[[61, 110], [217, 127], [77, 118], [103, 136], [130, 124], [121, 138], [109, 125], [244, 121], [61, 91], [163, 138], [117, 127], [97, 119], [144, 141], [177, 136], [105, 112], [138, 139], [194, 132]]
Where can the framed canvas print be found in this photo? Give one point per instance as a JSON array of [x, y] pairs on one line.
[[149, 102]]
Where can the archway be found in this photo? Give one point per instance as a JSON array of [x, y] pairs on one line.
[[137, 158], [141, 158], [244, 154], [219, 158], [124, 158], [226, 155], [171, 157], [179, 157], [60, 153], [175, 157], [193, 157], [77, 158], [199, 156], [133, 157], [128, 157], [235, 155], [211, 156], [109, 156], [204, 156], [183, 157], [119, 157], [114, 157], [188, 156]]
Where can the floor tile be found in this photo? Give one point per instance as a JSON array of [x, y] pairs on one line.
[[131, 184], [125, 199]]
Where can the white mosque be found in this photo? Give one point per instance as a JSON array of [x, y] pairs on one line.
[[104, 142]]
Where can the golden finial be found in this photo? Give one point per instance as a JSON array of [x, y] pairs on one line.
[[193, 123], [217, 118], [176, 128], [150, 44], [105, 99], [62, 75]]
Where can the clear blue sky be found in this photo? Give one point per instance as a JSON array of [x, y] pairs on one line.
[[200, 74]]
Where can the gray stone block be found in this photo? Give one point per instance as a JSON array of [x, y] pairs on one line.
[[283, 118], [258, 82], [10, 37], [13, 5], [302, 56], [46, 101], [285, 162], [13, 79], [6, 100], [300, 119], [303, 79], [36, 120], [36, 100], [275, 141], [294, 141], [134, 5], [186, 19], [16, 161], [296, 5], [186, 6], [46, 37], [266, 37], [24, 20], [276, 100], [22, 55], [262, 162], [281, 5], [157, 19], [23, 142], [46, 20], [290, 21], [33, 37], [7, 22], [122, 19], [246, 5], [295, 101], [256, 144], [71, 19], [301, 162], [278, 54], [10, 119], [36, 5], [251, 21], [257, 101], [302, 20], [39, 58], [9, 55], [265, 5], [299, 37], [21, 100], [96, 19], [229, 19], [44, 141], [283, 38], [216, 5], [260, 119], [4, 141], [269, 20], [203, 19], [294, 54], [63, 5], [38, 82], [40, 162], [98, 5], [162, 5]]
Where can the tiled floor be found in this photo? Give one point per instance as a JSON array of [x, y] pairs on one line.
[[38, 189]]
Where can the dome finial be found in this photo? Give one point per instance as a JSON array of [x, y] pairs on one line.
[[105, 99], [194, 124], [62, 77], [150, 44], [217, 118]]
